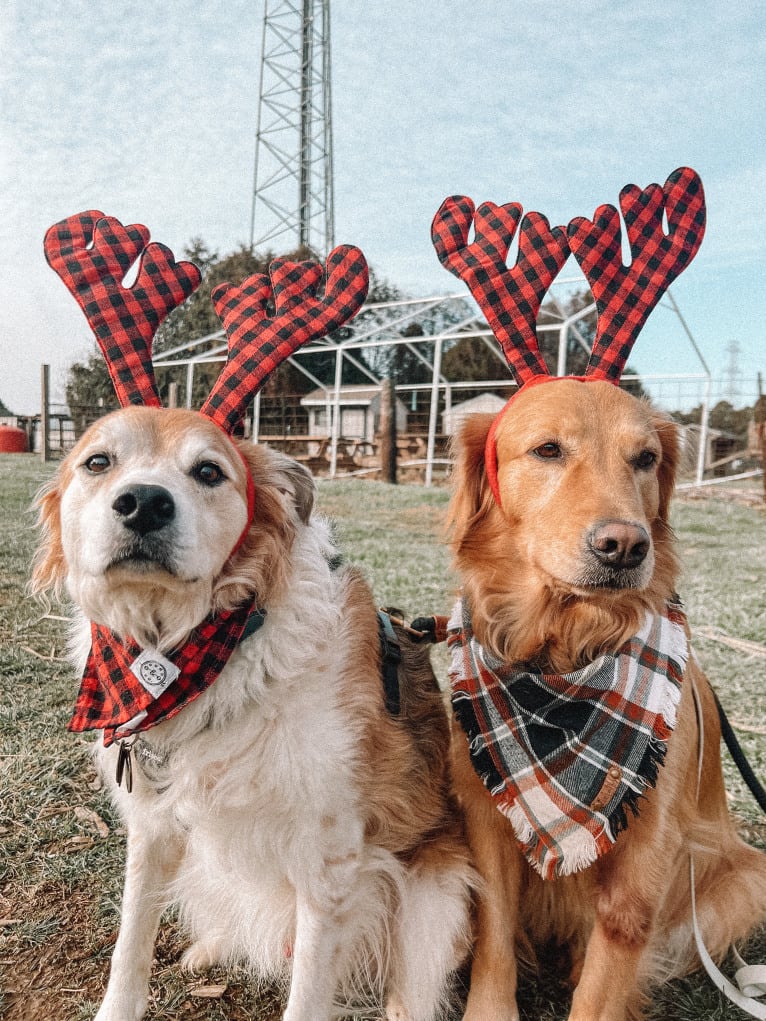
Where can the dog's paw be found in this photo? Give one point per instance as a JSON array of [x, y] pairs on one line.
[[496, 1012], [121, 1008], [201, 956]]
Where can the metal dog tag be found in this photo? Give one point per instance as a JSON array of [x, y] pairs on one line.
[[124, 766]]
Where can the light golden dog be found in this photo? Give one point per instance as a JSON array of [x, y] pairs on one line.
[[300, 826], [563, 571]]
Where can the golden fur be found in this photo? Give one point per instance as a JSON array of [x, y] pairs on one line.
[[299, 827], [571, 456]]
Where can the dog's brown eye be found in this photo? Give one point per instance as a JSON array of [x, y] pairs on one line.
[[97, 463], [646, 459], [548, 451], [208, 473]]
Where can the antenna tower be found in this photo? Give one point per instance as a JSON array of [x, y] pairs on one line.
[[293, 177]]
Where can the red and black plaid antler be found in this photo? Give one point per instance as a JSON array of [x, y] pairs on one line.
[[625, 295], [509, 298], [92, 253], [258, 343]]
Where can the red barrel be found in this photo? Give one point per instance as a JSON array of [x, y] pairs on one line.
[[12, 440]]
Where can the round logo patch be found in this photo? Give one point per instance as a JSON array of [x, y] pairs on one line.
[[153, 673]]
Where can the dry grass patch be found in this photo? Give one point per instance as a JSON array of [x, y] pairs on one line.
[[62, 848]]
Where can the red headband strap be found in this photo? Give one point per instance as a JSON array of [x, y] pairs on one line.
[[250, 496], [490, 447]]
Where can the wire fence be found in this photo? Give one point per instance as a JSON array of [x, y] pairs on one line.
[[336, 430]]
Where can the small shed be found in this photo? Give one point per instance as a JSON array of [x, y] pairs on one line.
[[359, 412], [722, 450], [484, 403]]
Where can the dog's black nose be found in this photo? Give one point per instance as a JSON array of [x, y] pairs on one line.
[[619, 543], [144, 509]]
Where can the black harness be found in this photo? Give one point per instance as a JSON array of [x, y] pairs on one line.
[[390, 662]]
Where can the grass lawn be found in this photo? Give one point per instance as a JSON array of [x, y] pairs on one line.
[[61, 847]]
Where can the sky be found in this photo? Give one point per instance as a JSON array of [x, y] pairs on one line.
[[148, 112]]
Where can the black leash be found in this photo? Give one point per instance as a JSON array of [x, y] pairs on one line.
[[735, 750]]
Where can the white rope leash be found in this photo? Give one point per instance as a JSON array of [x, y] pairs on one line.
[[750, 978]]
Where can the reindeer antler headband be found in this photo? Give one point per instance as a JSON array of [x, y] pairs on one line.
[[92, 253], [510, 297]]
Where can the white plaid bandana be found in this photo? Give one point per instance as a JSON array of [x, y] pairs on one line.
[[565, 756]]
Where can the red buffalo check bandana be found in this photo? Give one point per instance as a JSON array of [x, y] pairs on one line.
[[126, 689], [565, 756]]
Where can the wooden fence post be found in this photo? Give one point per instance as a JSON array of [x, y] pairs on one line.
[[45, 443], [388, 431]]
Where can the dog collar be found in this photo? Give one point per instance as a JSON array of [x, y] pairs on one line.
[[565, 756], [126, 689]]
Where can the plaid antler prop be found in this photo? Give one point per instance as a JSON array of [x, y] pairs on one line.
[[92, 253], [510, 298], [625, 295], [258, 344]]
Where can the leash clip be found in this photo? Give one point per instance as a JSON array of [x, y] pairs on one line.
[[406, 626]]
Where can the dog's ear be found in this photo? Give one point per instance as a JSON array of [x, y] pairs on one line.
[[471, 496], [298, 483], [667, 430], [270, 467], [49, 564]]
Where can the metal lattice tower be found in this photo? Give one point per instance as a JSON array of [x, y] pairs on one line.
[[293, 178], [731, 373]]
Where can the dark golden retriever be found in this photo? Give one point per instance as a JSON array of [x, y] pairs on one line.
[[562, 569]]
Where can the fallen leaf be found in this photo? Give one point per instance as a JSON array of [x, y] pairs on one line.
[[208, 992], [76, 844], [48, 811], [87, 815]]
